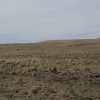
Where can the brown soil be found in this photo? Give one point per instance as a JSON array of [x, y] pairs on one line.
[[51, 70]]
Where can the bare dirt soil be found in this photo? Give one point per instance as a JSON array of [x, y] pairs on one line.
[[51, 70]]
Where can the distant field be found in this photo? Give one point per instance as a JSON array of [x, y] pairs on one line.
[[50, 70]]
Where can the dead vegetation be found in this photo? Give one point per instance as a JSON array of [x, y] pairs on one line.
[[58, 70]]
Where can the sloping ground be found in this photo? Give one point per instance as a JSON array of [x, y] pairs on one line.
[[50, 71], [73, 41]]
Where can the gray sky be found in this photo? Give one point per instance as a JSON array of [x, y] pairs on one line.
[[36, 20]]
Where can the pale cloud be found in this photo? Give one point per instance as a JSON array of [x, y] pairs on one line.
[[36, 20]]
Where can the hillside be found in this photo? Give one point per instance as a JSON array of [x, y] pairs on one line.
[[50, 70]]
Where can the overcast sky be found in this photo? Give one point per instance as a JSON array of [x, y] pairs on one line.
[[36, 20]]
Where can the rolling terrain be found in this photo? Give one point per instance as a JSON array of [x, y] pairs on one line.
[[50, 70]]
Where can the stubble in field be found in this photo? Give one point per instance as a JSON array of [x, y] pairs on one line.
[[52, 70]]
